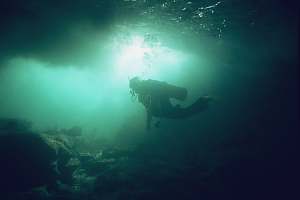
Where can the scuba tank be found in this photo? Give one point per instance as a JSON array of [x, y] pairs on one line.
[[176, 92], [166, 89]]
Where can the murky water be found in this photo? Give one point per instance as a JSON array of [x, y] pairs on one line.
[[70, 128]]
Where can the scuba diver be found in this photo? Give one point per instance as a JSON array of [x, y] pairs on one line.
[[155, 96]]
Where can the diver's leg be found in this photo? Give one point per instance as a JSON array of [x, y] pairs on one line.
[[200, 105], [167, 110]]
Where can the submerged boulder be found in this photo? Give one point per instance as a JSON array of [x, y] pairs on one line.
[[29, 160], [14, 125]]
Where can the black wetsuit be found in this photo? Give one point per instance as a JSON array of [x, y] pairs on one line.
[[160, 106], [155, 96]]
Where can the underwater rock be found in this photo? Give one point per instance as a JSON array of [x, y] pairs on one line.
[[74, 131], [151, 178], [14, 125], [25, 162], [31, 160], [39, 193], [115, 153]]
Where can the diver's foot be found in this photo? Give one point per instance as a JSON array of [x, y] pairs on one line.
[[202, 103]]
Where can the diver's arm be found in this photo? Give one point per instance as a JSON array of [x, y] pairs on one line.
[[148, 120]]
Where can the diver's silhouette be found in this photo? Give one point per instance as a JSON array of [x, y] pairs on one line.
[[155, 96]]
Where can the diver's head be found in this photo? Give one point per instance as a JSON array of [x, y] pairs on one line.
[[134, 83]]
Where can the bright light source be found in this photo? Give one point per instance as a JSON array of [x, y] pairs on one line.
[[144, 56], [132, 59]]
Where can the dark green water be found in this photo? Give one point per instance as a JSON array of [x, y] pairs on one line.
[[66, 64]]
